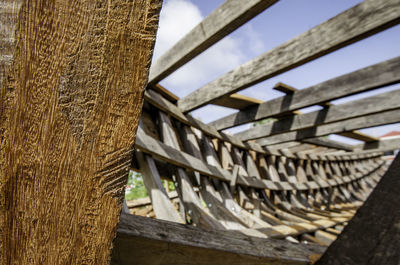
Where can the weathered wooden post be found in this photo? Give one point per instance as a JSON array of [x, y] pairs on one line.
[[70, 105]]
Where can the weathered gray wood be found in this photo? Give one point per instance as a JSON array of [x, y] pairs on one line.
[[356, 23], [169, 154], [379, 146], [198, 213], [375, 104], [365, 79], [162, 206], [146, 201], [161, 103], [387, 117], [222, 21], [328, 143], [360, 136], [373, 235], [149, 242]]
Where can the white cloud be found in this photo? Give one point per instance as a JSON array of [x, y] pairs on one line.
[[177, 18]]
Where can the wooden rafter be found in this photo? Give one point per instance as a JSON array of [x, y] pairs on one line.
[[222, 21], [372, 77], [356, 23]]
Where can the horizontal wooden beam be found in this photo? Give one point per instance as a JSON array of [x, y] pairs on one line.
[[178, 158], [367, 121], [146, 241], [359, 136], [375, 76], [161, 103], [328, 143], [354, 24], [222, 21], [365, 106], [237, 101], [379, 146]]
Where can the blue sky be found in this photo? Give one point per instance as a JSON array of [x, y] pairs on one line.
[[278, 24]]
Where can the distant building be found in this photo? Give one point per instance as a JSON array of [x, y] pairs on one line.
[[391, 135]]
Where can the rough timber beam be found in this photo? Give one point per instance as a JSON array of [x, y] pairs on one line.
[[371, 236], [354, 24], [172, 243], [70, 106], [329, 143], [222, 21], [365, 106], [379, 146], [375, 76], [284, 88], [359, 136], [383, 118], [237, 101]]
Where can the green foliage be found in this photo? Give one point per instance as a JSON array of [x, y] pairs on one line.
[[264, 121], [135, 188]]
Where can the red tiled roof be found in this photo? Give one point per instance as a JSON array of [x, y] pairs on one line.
[[393, 133]]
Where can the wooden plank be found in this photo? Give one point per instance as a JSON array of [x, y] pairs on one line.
[[199, 214], [237, 101], [181, 159], [365, 106], [379, 146], [146, 201], [70, 106], [161, 103], [354, 24], [162, 206], [383, 118], [285, 88], [372, 236], [329, 143], [222, 21], [375, 76], [145, 241], [359, 136]]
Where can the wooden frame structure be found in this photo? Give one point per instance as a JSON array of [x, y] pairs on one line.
[[278, 193], [281, 180]]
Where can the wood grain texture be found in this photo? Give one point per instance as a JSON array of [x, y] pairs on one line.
[[356, 23], [171, 243], [222, 21], [70, 106], [371, 77], [372, 236]]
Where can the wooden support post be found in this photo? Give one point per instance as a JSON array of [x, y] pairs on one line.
[[70, 107]]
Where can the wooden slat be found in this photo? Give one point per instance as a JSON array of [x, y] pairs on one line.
[[366, 106], [372, 236], [157, 149], [375, 76], [284, 88], [237, 101], [359, 136], [222, 21], [162, 206], [146, 201], [356, 23], [161, 103], [328, 143], [379, 146], [145, 241], [387, 117]]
